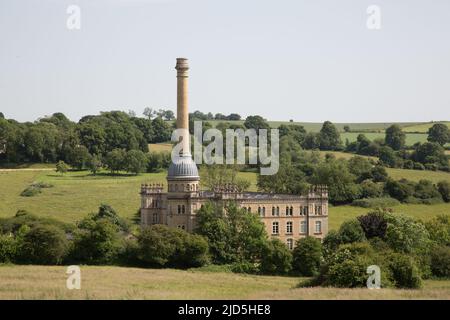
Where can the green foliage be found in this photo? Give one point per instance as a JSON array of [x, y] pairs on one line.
[[30, 191], [158, 161], [8, 248], [405, 273], [329, 137], [440, 261], [256, 122], [308, 256], [395, 137], [370, 189], [79, 157], [135, 161], [161, 246], [62, 167], [115, 160], [439, 230], [276, 258], [405, 235], [388, 157], [94, 164], [444, 189], [44, 244], [382, 202], [96, 241], [439, 133], [351, 231], [233, 236]]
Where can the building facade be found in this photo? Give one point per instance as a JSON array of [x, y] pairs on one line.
[[286, 217]]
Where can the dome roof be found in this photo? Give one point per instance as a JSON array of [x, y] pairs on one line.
[[182, 168]]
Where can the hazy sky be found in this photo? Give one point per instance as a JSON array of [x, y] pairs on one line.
[[310, 60]]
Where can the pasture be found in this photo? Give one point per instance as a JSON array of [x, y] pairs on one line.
[[101, 282], [78, 193]]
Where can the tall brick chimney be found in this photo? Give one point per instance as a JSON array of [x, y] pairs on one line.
[[182, 68]]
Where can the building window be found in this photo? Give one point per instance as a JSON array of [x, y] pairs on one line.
[[179, 209], [318, 226], [273, 211], [289, 227], [275, 228], [302, 226], [263, 211], [260, 211], [183, 209], [155, 218], [305, 210], [290, 244], [181, 226], [287, 210], [278, 211], [249, 209]]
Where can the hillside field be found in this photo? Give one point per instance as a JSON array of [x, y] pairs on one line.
[[49, 282], [76, 194]]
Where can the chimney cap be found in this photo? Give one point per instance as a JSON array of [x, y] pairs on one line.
[[182, 64]]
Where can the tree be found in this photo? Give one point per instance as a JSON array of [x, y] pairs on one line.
[[430, 152], [405, 273], [444, 190], [62, 167], [395, 137], [276, 258], [115, 160], [2, 116], [79, 157], [135, 161], [233, 234], [329, 137], [373, 224], [149, 113], [388, 157], [308, 256], [94, 164], [96, 241], [439, 133], [256, 122], [44, 244], [351, 231], [161, 130], [440, 261]]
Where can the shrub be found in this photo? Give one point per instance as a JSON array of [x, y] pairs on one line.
[[44, 244], [400, 190], [444, 190], [405, 273], [440, 261], [331, 241], [161, 246], [370, 189], [30, 191], [418, 166], [307, 256], [373, 224], [276, 258], [8, 248], [244, 267], [351, 231], [96, 242], [384, 202], [439, 230]]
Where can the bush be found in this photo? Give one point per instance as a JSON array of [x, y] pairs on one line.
[[384, 202], [30, 191], [44, 244], [418, 166], [444, 190], [276, 258], [373, 224], [400, 190], [405, 273], [440, 261], [370, 189], [96, 242], [161, 246], [439, 230], [244, 267], [351, 231], [331, 241], [307, 256], [8, 248]]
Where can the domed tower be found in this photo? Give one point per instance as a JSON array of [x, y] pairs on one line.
[[182, 178]]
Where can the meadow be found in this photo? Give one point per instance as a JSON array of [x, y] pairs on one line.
[[101, 282], [78, 193]]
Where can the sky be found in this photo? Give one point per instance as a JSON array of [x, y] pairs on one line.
[[305, 60]]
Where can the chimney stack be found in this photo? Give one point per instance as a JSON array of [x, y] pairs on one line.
[[182, 68]]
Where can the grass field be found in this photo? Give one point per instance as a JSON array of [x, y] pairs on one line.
[[416, 175], [160, 147], [49, 282], [423, 127], [76, 194]]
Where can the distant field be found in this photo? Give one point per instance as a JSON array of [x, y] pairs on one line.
[[339, 214], [423, 127], [159, 147], [49, 282], [411, 138], [416, 175], [345, 155]]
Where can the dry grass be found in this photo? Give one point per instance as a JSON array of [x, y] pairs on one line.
[[160, 147], [41, 282]]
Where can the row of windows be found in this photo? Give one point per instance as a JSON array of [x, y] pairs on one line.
[[289, 211], [181, 209], [289, 228], [183, 187]]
